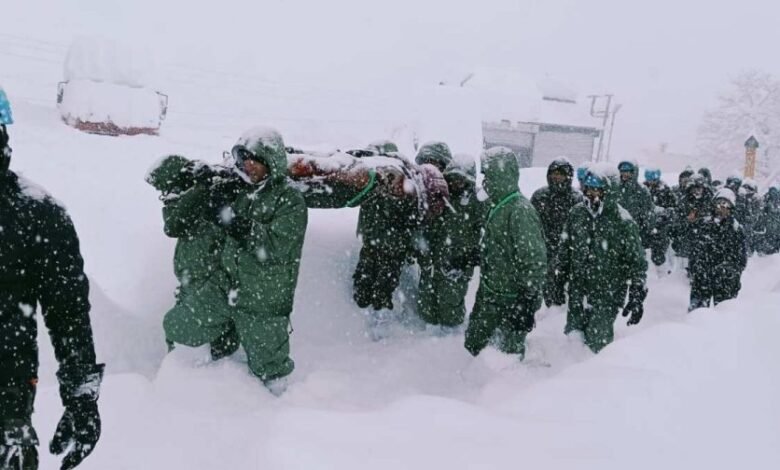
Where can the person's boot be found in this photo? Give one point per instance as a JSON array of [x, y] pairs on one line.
[[226, 344], [276, 386]]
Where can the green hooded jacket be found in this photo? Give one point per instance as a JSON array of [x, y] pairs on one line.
[[263, 263], [512, 250], [452, 240], [189, 217], [638, 201], [601, 252]]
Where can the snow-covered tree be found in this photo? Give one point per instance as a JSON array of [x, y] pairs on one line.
[[750, 106]]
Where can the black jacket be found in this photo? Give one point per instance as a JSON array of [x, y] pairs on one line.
[[718, 249], [40, 263], [553, 206]]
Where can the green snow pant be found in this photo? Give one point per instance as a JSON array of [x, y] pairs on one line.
[[376, 277], [202, 315], [442, 295], [593, 317], [509, 321]]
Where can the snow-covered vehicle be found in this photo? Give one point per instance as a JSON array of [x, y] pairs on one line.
[[106, 90]]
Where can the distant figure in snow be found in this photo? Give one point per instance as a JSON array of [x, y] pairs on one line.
[[601, 257], [553, 203], [41, 264], [664, 203], [636, 199], [718, 254], [513, 261], [259, 248], [695, 204], [748, 211], [768, 228], [682, 181]]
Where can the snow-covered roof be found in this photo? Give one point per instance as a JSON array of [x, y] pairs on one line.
[[105, 60], [509, 94]]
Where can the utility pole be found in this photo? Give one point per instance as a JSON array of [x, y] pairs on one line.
[[750, 157], [612, 130], [602, 113]]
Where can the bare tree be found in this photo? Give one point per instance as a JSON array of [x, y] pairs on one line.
[[751, 106]]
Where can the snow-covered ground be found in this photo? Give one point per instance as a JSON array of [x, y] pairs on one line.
[[676, 391]]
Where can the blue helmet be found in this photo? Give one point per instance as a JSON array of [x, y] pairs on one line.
[[5, 109], [594, 181], [581, 173], [652, 174]]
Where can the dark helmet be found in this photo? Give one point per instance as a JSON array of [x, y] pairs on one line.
[[706, 174], [734, 182], [685, 175]]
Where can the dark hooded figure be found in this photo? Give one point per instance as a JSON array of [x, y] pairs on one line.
[[553, 204], [707, 175], [768, 228], [636, 199], [41, 264], [682, 181], [450, 244], [694, 206], [664, 203], [748, 211], [718, 254]]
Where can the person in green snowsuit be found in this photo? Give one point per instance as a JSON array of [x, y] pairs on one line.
[[192, 195], [263, 233], [513, 261], [768, 228], [450, 247], [636, 199], [387, 224], [601, 255]]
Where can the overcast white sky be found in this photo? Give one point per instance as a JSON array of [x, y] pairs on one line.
[[664, 60]]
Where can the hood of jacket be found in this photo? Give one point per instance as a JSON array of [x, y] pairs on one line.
[[501, 171]]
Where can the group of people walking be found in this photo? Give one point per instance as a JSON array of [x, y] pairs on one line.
[[240, 229]]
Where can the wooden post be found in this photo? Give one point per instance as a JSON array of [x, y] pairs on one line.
[[750, 157]]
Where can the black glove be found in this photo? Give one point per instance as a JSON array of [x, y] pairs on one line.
[[523, 310], [77, 432], [79, 428], [635, 304]]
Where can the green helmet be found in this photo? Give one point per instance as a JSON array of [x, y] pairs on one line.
[[172, 174], [383, 147]]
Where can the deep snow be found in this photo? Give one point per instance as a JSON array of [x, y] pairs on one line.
[[677, 391]]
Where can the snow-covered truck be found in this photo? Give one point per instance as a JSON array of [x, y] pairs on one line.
[[106, 90]]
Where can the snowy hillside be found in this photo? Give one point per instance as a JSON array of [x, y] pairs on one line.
[[676, 391]]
